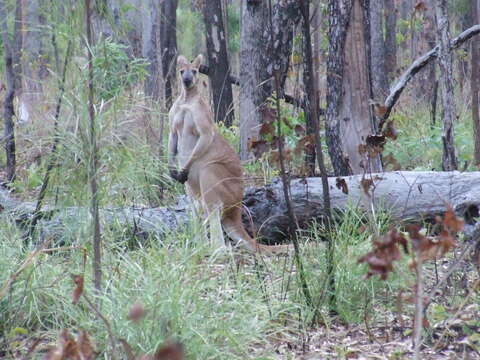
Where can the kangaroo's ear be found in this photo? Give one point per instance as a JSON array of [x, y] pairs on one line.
[[182, 60], [198, 61]]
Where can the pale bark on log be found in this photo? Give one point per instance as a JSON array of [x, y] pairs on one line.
[[404, 195], [475, 84]]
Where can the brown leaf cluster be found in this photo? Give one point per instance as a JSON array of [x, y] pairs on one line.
[[385, 252], [69, 348], [342, 185], [137, 312], [430, 248], [78, 291], [168, 351]]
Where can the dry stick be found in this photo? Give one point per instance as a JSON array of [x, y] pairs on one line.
[[418, 322], [416, 66], [97, 259], [56, 140], [312, 107], [450, 271], [286, 188], [105, 321]]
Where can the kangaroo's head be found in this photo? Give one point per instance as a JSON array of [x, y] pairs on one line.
[[188, 71]]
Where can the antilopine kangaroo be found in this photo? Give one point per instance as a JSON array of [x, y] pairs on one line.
[[208, 164]]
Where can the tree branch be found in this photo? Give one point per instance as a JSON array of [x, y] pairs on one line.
[[419, 64]]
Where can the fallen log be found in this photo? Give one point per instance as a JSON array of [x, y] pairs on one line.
[[405, 195]]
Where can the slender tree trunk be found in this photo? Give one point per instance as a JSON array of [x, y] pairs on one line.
[[390, 39], [445, 57], [349, 116], [8, 111], [218, 62], [475, 82], [168, 46], [150, 48], [378, 51], [259, 59], [93, 165]]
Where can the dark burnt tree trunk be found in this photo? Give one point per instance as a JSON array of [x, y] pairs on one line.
[[259, 61], [390, 39], [168, 46], [218, 62], [311, 98], [8, 110], [445, 60], [378, 51], [475, 82], [349, 118]]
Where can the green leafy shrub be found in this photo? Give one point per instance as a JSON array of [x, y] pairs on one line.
[[113, 70]]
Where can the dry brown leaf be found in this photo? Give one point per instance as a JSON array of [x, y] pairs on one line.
[[390, 160], [85, 346], [366, 185], [137, 312], [259, 147], [170, 351], [385, 252], [342, 185], [77, 293], [390, 131], [451, 222], [66, 348], [267, 129]]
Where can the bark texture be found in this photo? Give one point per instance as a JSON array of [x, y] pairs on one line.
[[151, 48], [378, 51], [348, 114], [8, 110], [406, 195], [390, 39], [168, 47], [445, 60], [263, 51], [475, 83], [218, 62]]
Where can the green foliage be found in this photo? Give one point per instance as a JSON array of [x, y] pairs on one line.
[[113, 70], [419, 147]]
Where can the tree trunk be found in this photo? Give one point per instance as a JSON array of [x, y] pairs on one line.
[[259, 61], [390, 39], [445, 57], [218, 62], [8, 111], [349, 116], [168, 47], [378, 51], [475, 83], [309, 81], [150, 46]]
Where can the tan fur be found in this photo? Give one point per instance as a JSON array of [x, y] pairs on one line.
[[214, 171]]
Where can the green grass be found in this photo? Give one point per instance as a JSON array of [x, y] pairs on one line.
[[224, 308]]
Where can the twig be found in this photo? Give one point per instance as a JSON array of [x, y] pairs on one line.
[[286, 188], [36, 214], [418, 321], [105, 321], [449, 272], [416, 66]]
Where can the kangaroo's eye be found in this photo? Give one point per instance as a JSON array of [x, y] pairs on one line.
[[194, 72], [182, 71]]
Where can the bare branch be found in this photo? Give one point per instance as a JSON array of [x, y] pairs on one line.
[[397, 89]]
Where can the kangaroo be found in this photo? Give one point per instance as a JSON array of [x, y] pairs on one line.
[[209, 166]]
